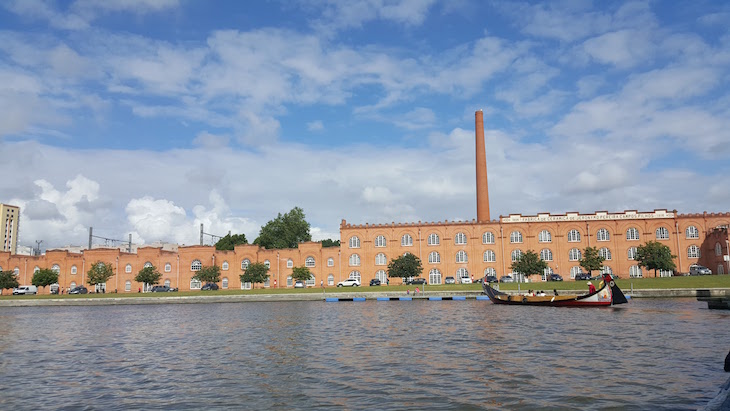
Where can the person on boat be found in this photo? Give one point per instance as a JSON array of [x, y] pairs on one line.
[[591, 287], [541, 293], [555, 291]]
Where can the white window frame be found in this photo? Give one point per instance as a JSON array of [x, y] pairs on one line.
[[406, 240], [434, 257], [74, 269], [310, 262], [694, 251], [574, 254], [354, 242], [692, 233], [516, 255], [195, 284], [632, 234], [196, 265], [434, 276], [515, 237], [460, 238], [289, 263], [330, 262], [462, 257], [331, 279], [224, 266], [605, 253], [128, 268], [381, 241], [574, 236], [381, 259], [631, 253], [662, 233], [224, 283], [127, 285], [635, 272], [488, 237], [168, 267], [489, 256], [546, 254], [603, 235], [434, 239], [545, 237], [245, 263], [354, 260]]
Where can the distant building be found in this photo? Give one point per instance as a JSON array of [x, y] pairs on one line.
[[9, 216]]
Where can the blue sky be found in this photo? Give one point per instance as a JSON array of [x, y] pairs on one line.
[[151, 117]]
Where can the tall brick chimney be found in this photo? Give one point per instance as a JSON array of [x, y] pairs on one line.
[[482, 185]]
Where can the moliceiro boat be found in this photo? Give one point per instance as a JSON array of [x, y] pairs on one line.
[[607, 294]]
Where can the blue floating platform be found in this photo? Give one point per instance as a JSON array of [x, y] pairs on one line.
[[405, 298], [332, 300], [435, 298], [483, 297], [358, 299], [383, 298], [459, 298]]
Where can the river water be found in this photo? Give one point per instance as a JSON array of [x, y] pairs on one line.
[[648, 354]]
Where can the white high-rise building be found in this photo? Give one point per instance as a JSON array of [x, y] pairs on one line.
[[9, 216]]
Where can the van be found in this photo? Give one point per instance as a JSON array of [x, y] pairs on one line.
[[25, 289]]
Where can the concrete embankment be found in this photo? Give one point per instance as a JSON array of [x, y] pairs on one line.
[[211, 298]]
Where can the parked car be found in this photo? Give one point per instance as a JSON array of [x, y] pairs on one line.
[[417, 280], [491, 279], [25, 289], [55, 288], [299, 284], [210, 287], [506, 279], [374, 282], [555, 277], [696, 269], [79, 289], [465, 280], [449, 280], [583, 277], [350, 282], [162, 289]]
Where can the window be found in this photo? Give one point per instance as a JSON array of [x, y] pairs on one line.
[[354, 260], [289, 263], [289, 282], [603, 235], [195, 284], [461, 257], [693, 251], [267, 263], [490, 256], [330, 262], [490, 271], [545, 236], [168, 267], [606, 270], [16, 271], [267, 281], [195, 266], [406, 240], [74, 270], [246, 286], [128, 268], [434, 276], [36, 269], [516, 255], [224, 266], [56, 268], [574, 254], [309, 261], [380, 259], [662, 233], [632, 253], [575, 270], [434, 257], [573, 236], [72, 285], [462, 273], [718, 249], [224, 283], [692, 232], [331, 279], [488, 237], [433, 239], [460, 239], [356, 275], [515, 237], [665, 273], [635, 271], [546, 254], [632, 234], [245, 263], [128, 286], [354, 242], [382, 276], [605, 253], [380, 241], [167, 282], [310, 282], [147, 265]]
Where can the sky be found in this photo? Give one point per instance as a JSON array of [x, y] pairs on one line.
[[151, 117]]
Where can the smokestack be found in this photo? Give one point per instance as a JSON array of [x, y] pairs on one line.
[[481, 163]]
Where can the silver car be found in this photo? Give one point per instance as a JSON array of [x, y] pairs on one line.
[[696, 269]]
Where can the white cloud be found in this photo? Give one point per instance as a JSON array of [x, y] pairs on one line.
[[315, 125]]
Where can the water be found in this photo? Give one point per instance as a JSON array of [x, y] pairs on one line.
[[648, 354]]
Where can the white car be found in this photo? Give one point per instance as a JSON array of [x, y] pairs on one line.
[[299, 284], [465, 280], [350, 282]]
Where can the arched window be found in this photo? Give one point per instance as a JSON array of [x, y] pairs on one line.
[[718, 249], [574, 254], [195, 284], [380, 241], [267, 263], [127, 285], [289, 281], [330, 262], [245, 263], [434, 276], [168, 267], [692, 232], [382, 276], [515, 237], [545, 236], [74, 270], [331, 279], [16, 271], [635, 271], [490, 256], [147, 265], [433, 239], [603, 235], [632, 253], [434, 257], [289, 263], [693, 251], [354, 242], [356, 275], [606, 270], [224, 266], [128, 267], [380, 259], [462, 273], [406, 240], [55, 268], [309, 261], [72, 285], [546, 254], [516, 255], [490, 271], [576, 269], [574, 236], [461, 257], [662, 233], [605, 253], [167, 282], [224, 283], [460, 239], [488, 237], [354, 260], [632, 234], [36, 269]]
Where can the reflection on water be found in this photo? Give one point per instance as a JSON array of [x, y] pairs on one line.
[[649, 354]]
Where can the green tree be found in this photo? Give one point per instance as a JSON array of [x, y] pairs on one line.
[[286, 231], [330, 243], [405, 266], [655, 256], [148, 275], [99, 273], [591, 260], [255, 273], [230, 241], [8, 280], [208, 274], [301, 274], [44, 277], [528, 264]]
